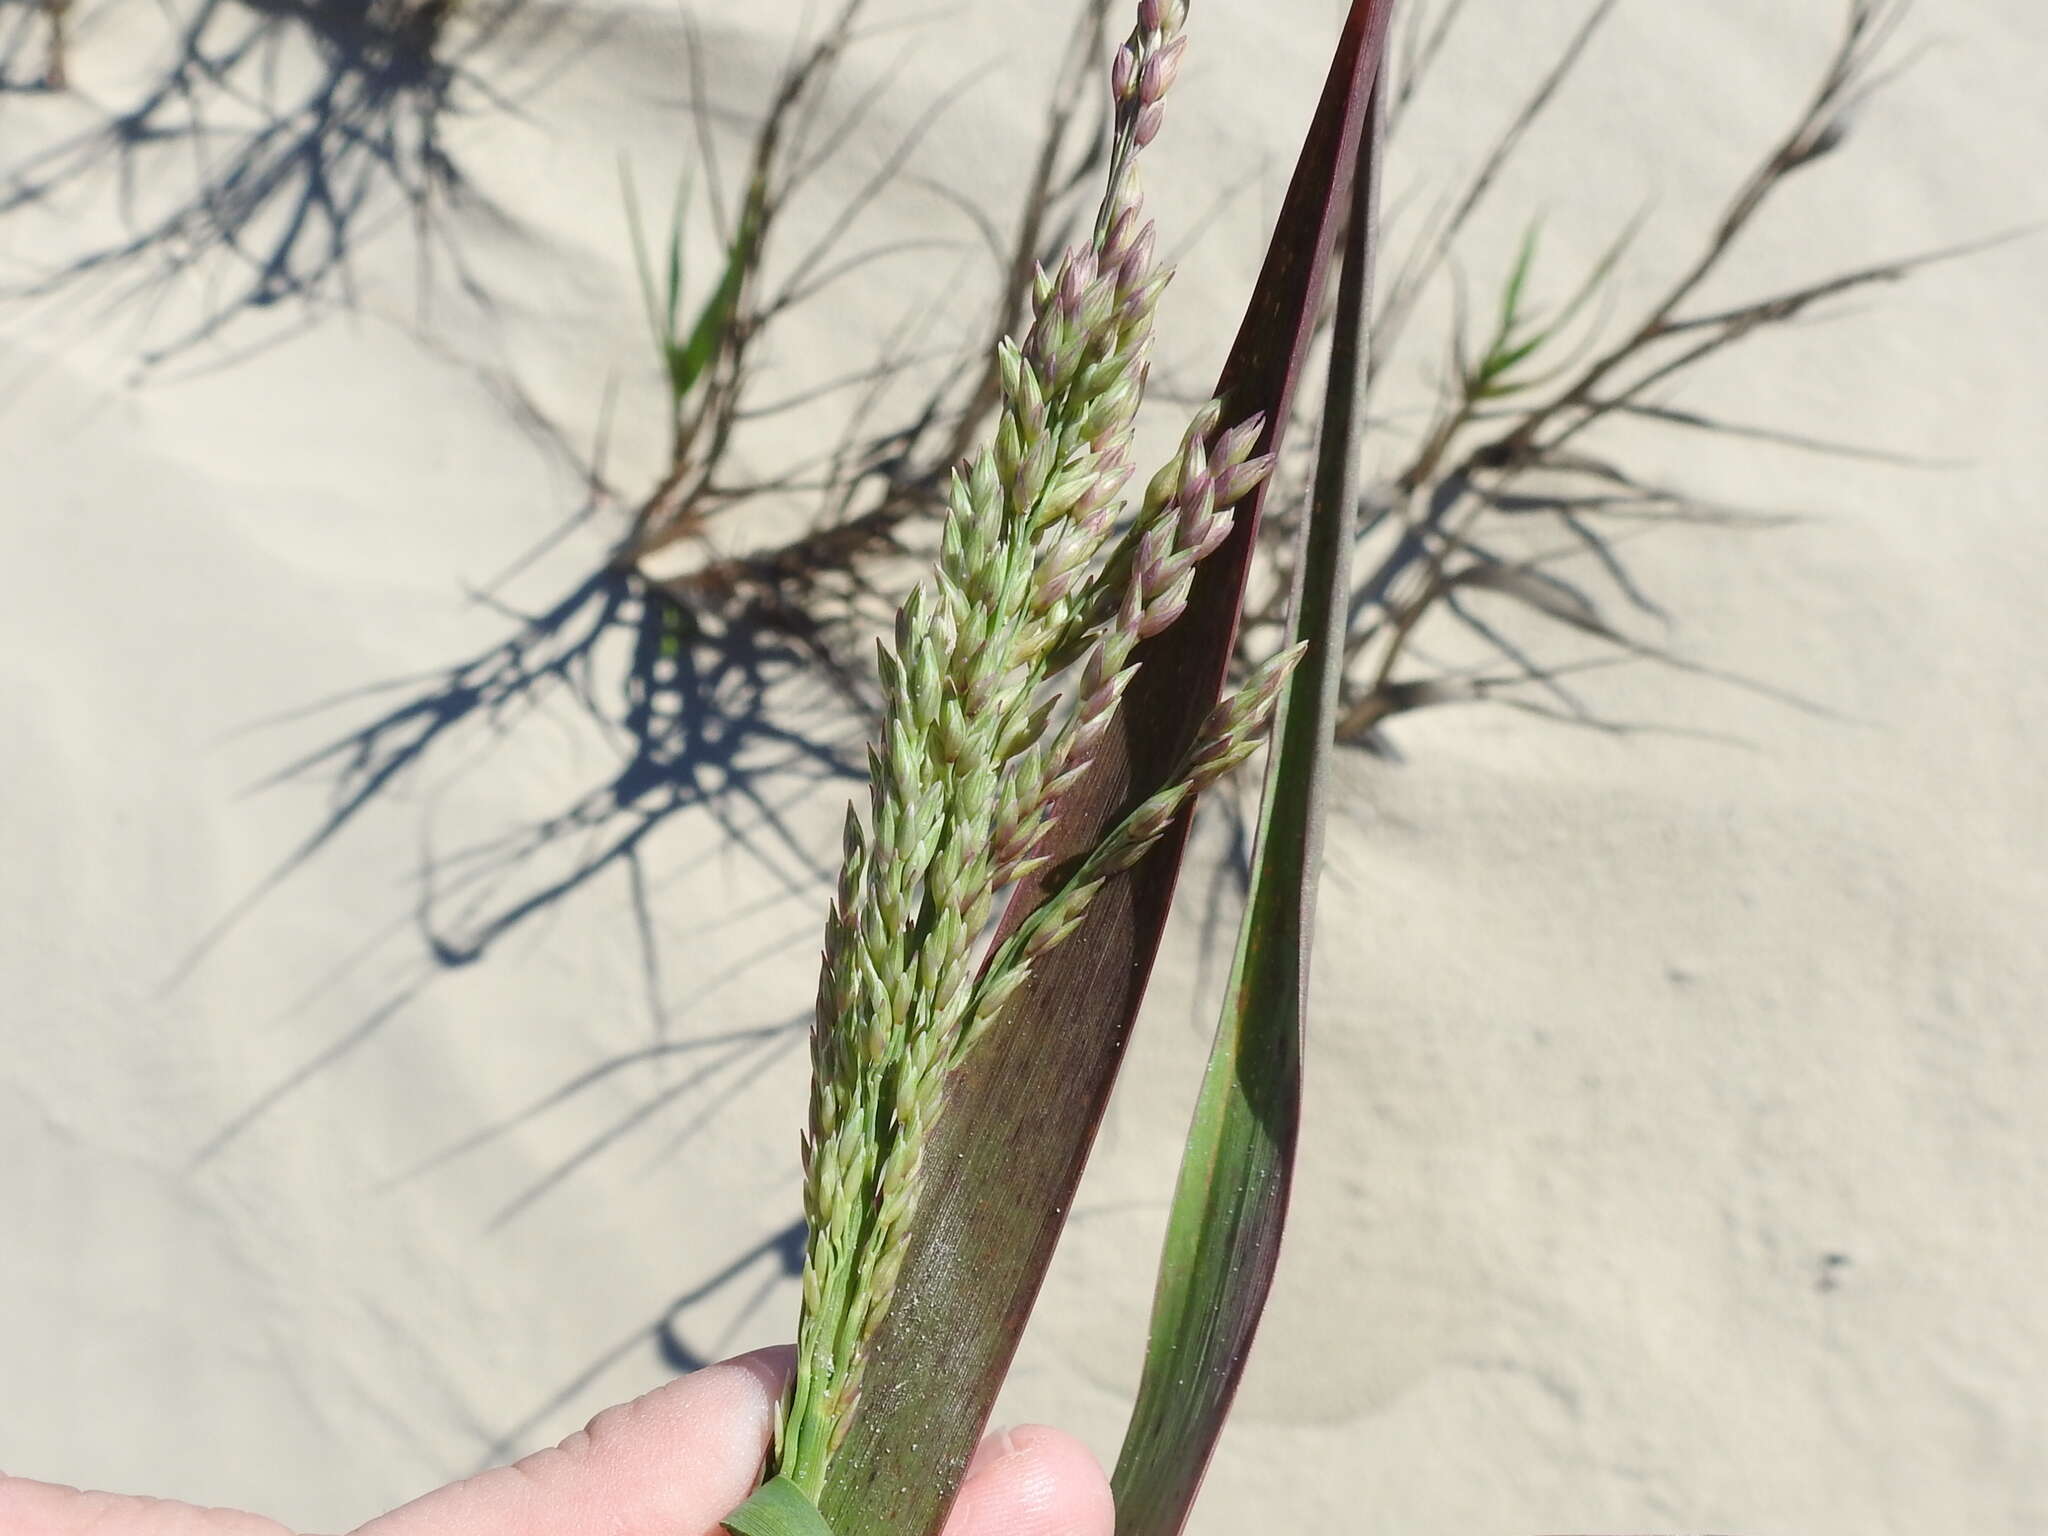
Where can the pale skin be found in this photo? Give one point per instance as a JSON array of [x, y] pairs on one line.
[[668, 1464]]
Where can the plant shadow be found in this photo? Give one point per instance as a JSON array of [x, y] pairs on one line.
[[266, 143], [672, 1338], [692, 709]]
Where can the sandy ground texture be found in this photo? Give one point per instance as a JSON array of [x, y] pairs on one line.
[[404, 988]]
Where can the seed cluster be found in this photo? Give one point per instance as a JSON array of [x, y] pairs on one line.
[[1004, 677]]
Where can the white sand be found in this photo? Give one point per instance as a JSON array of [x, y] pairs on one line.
[[1618, 1036]]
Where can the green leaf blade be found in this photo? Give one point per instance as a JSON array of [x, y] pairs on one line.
[[714, 320], [777, 1508], [1230, 1205]]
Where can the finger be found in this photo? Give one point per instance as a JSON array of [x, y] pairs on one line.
[[668, 1464], [1033, 1481], [46, 1509]]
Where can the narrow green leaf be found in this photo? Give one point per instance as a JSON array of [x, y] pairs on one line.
[[1518, 280], [660, 309], [678, 211], [1223, 1234], [1505, 359], [777, 1508], [1022, 1112], [1507, 355], [715, 318]]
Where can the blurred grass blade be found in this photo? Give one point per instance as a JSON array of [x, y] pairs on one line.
[[777, 1508], [661, 302], [1223, 1235], [715, 318], [684, 358], [1021, 1114], [1518, 280]]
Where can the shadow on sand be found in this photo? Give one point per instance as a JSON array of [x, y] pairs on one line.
[[267, 141], [775, 1260], [693, 710]]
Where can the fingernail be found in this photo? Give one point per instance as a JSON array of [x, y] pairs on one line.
[[995, 1445]]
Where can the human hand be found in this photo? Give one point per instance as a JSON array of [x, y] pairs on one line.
[[669, 1464]]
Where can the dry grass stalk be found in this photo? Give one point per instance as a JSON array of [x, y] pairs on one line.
[[57, 13], [1506, 435], [880, 480], [706, 409]]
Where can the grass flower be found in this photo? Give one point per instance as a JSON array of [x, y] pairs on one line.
[[1005, 672]]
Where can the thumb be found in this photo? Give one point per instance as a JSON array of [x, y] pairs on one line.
[[672, 1463]]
